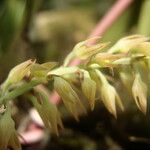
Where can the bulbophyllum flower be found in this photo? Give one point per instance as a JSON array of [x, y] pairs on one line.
[[88, 86], [139, 91], [109, 95], [69, 97], [18, 73], [127, 43], [84, 51], [8, 134]]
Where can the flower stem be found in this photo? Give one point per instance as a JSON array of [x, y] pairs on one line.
[[21, 90]]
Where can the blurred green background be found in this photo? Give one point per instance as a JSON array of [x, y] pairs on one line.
[[46, 30]]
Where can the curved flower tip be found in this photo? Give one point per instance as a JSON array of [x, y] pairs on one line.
[[18, 73], [108, 98], [128, 43], [89, 88], [109, 95], [139, 91], [85, 50]]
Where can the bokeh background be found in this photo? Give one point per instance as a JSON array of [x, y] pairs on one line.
[[47, 30]]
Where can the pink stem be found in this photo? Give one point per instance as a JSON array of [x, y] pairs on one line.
[[111, 16]]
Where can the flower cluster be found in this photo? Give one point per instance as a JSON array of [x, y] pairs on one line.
[[92, 78]]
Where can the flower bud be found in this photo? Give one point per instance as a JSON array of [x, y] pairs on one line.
[[89, 88], [84, 51], [109, 95], [124, 45], [18, 73], [139, 91]]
